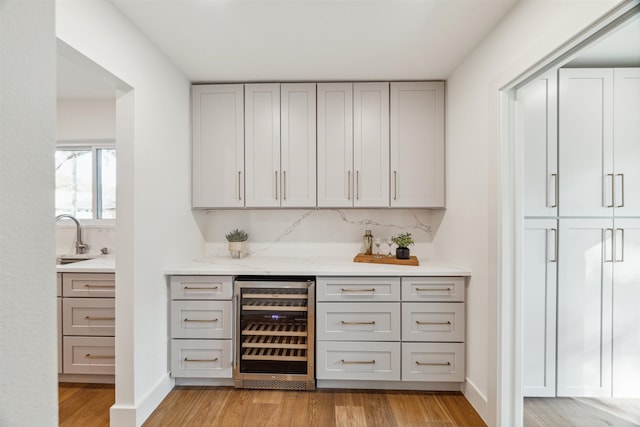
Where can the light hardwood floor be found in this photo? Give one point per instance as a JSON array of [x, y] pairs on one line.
[[581, 412], [87, 405]]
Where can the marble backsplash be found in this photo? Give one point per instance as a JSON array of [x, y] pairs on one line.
[[318, 232], [96, 236]]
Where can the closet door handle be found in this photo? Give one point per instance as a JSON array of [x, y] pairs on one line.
[[239, 185], [606, 258], [554, 204], [554, 258], [613, 189], [284, 185], [620, 245], [276, 182], [348, 185], [621, 205], [395, 185], [357, 185]]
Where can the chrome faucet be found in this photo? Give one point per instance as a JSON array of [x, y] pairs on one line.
[[80, 246]]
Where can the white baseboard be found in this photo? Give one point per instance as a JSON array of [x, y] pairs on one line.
[[134, 416], [477, 399]]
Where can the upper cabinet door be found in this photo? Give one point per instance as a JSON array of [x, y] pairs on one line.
[[298, 145], [371, 144], [537, 131], [587, 176], [218, 146], [335, 145], [417, 145], [626, 131], [262, 145]]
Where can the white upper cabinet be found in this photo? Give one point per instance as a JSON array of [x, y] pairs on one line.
[[587, 176], [626, 141], [298, 144], [417, 145], [218, 146], [262, 145], [371, 144], [538, 127], [335, 145]]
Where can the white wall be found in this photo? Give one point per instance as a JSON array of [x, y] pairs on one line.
[[155, 224], [470, 230], [28, 368]]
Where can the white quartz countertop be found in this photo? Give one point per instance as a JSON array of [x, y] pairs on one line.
[[100, 264], [316, 266]]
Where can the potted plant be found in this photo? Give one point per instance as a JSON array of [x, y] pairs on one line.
[[236, 239], [403, 241]]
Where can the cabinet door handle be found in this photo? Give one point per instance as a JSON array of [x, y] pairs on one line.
[[610, 175], [186, 359], [621, 205], [433, 289], [201, 320], [432, 363], [620, 245], [98, 318], [198, 288], [357, 185], [395, 185], [358, 290], [554, 204], [348, 185], [276, 182], [97, 356], [239, 185], [607, 258], [90, 286], [432, 323], [358, 362], [373, 322], [284, 185], [554, 245]]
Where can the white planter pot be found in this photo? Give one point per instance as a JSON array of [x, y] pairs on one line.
[[236, 249]]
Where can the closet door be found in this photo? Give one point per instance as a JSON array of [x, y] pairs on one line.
[[539, 266], [585, 274], [626, 130], [586, 142], [626, 309], [262, 145], [335, 145], [538, 132]]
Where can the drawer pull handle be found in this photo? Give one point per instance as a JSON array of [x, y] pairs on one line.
[[432, 363], [358, 362], [432, 323], [193, 288], [433, 289], [186, 359], [97, 356], [358, 290], [200, 320], [98, 318], [373, 322], [89, 285]]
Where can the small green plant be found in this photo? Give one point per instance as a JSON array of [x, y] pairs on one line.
[[403, 240], [236, 236]]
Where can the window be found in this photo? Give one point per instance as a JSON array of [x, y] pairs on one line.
[[86, 181]]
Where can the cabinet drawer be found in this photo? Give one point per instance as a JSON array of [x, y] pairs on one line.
[[440, 362], [88, 316], [89, 285], [201, 358], [433, 289], [201, 287], [433, 321], [358, 289], [89, 355], [358, 361], [358, 322], [201, 319]]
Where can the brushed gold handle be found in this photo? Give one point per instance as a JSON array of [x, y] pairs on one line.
[[432, 323], [358, 290], [395, 185], [432, 363], [186, 359], [433, 289], [97, 356], [373, 322], [357, 185], [194, 288], [201, 320], [90, 286], [239, 185], [348, 185], [98, 318], [284, 185], [358, 362]]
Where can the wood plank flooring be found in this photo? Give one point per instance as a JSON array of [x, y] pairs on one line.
[[85, 405], [581, 412], [228, 407]]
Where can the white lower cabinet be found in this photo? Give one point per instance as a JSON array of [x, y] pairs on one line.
[[201, 326], [408, 329], [86, 327]]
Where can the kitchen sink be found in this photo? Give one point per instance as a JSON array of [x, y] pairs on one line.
[[69, 259]]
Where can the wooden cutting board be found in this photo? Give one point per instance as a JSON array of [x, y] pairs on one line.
[[386, 260]]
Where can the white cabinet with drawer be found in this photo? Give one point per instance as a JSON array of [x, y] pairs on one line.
[[358, 322], [345, 289], [201, 326], [358, 360], [442, 362], [87, 327]]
